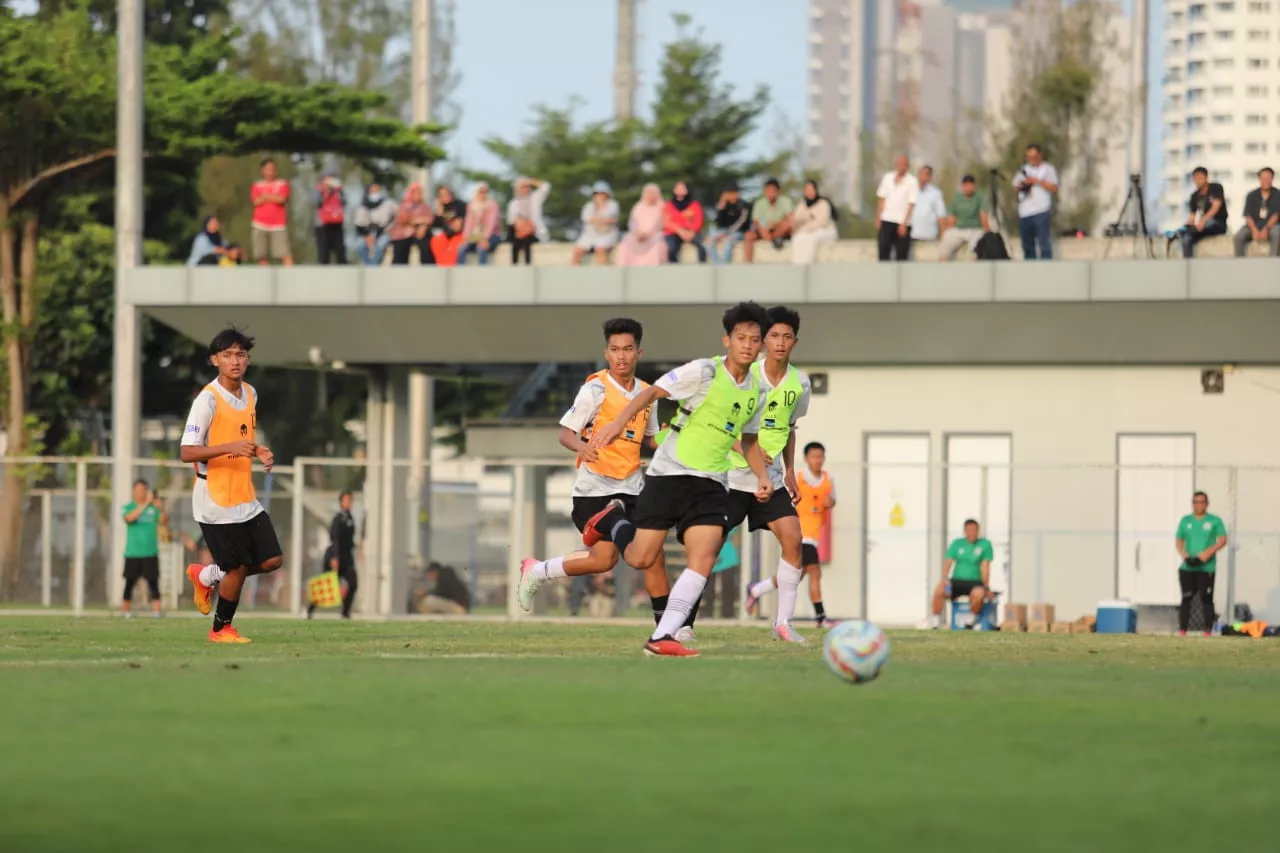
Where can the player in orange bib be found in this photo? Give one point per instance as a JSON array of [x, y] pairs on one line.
[[610, 473], [221, 442], [817, 493]]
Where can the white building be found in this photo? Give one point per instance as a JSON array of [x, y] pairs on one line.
[[1220, 89]]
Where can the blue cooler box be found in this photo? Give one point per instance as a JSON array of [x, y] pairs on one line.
[[1117, 617], [986, 620]]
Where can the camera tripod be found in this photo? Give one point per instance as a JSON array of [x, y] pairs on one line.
[[1132, 221]]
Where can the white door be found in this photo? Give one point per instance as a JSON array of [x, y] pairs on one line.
[[979, 483], [897, 529], [1151, 501]]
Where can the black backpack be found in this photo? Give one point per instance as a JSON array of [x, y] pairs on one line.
[[991, 247]]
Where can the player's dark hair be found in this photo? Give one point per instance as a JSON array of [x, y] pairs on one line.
[[972, 521], [773, 182], [746, 312], [1270, 171], [141, 482], [228, 338], [784, 315], [266, 160], [814, 445], [345, 493], [623, 326], [1200, 170], [1200, 495], [1035, 146]]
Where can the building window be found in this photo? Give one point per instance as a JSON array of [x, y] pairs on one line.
[[1223, 91], [1222, 119], [1255, 119], [1258, 62], [1259, 35], [1173, 75], [1221, 148], [1195, 150], [1196, 39], [1196, 12], [1224, 7], [1255, 148], [1194, 96], [1256, 91], [1195, 69], [1260, 6], [1175, 45], [1224, 63]]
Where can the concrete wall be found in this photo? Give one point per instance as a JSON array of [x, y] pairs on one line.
[[1057, 418]]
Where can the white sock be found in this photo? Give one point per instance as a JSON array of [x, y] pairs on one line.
[[211, 574], [549, 569], [684, 595], [788, 589], [760, 588]]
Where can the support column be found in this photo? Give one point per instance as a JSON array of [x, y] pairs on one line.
[[423, 27], [518, 537], [536, 511], [421, 418], [380, 598], [371, 523]]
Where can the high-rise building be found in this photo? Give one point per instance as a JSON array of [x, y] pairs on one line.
[[1220, 92]]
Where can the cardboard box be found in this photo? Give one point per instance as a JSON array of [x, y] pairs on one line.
[[1037, 627], [1016, 613], [1086, 625], [1041, 613], [1060, 628], [1012, 626]]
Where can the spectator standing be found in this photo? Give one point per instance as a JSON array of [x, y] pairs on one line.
[[374, 218], [930, 210], [1036, 183], [644, 245], [524, 218], [599, 225], [412, 228], [1206, 212], [446, 244], [207, 248], [815, 224], [447, 206], [1201, 535], [966, 222], [770, 219], [481, 227], [270, 226], [143, 519], [682, 223], [732, 220], [896, 197], [331, 220], [1261, 216]]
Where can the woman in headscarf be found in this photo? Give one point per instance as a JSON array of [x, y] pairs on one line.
[[480, 227], [412, 227], [374, 217], [644, 245], [207, 248], [682, 223], [814, 224]]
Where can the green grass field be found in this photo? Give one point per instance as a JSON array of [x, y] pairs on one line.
[[138, 736]]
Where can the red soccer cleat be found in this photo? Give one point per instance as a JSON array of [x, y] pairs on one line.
[[202, 595], [668, 648], [228, 634], [590, 535]]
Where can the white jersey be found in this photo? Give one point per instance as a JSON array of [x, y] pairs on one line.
[[741, 479], [203, 509], [585, 406]]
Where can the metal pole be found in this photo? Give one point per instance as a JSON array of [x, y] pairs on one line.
[[1137, 154], [519, 533], [624, 63], [386, 525], [46, 549], [1039, 568], [418, 483], [298, 535], [1233, 541], [77, 555], [423, 25], [983, 481], [126, 359]]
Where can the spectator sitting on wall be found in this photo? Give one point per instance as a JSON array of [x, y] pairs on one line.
[[374, 218], [270, 226], [1207, 212], [207, 248], [446, 593], [644, 245], [770, 219], [480, 228], [446, 244], [895, 201], [733, 218], [682, 223], [815, 224], [331, 220], [524, 218], [599, 225], [966, 222], [412, 228], [447, 206], [1037, 184], [1261, 216], [930, 210]]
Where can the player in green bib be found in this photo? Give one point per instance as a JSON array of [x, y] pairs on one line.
[[142, 519], [686, 484], [786, 392], [1201, 535], [966, 571]]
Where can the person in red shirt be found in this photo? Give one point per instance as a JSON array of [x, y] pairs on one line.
[[270, 231], [682, 223]]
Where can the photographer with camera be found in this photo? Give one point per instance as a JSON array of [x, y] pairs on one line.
[[1036, 183]]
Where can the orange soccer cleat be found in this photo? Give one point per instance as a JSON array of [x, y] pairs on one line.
[[228, 634], [203, 595], [668, 648], [590, 535]]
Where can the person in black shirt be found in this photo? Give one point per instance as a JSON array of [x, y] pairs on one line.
[[1207, 212], [342, 543], [733, 218], [447, 594], [1261, 216]]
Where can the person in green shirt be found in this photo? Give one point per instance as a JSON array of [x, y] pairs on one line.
[[143, 519], [966, 222], [966, 571], [1201, 535]]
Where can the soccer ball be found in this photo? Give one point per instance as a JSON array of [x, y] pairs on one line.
[[855, 651]]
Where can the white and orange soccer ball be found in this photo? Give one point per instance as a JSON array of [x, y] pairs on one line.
[[855, 651]]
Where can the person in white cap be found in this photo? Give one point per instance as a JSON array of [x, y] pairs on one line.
[[599, 225]]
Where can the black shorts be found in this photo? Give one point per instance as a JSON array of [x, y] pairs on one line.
[[809, 555], [681, 501], [142, 569], [584, 508], [963, 588], [244, 545], [744, 506]]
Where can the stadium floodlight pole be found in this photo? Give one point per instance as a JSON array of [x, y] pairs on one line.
[[423, 26], [126, 403]]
